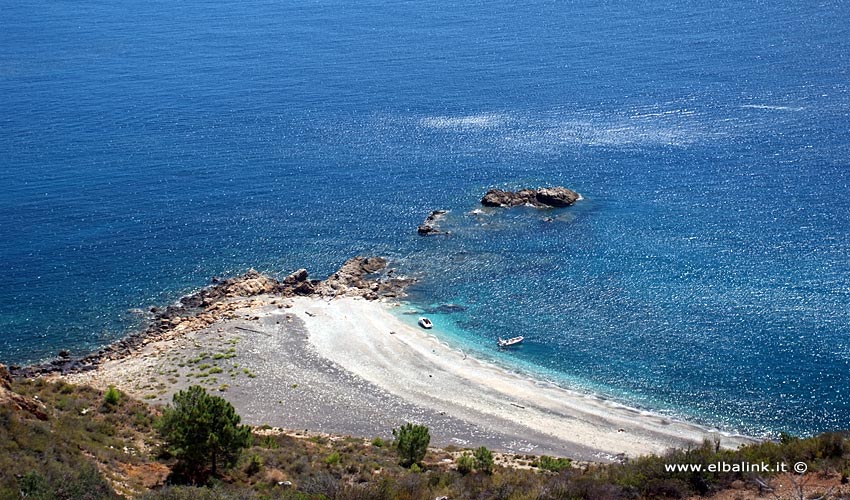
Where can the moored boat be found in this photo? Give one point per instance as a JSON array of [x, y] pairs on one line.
[[510, 342], [425, 323]]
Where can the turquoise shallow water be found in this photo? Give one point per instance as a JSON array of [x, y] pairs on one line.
[[147, 147]]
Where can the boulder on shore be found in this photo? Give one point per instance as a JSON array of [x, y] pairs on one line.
[[551, 197]]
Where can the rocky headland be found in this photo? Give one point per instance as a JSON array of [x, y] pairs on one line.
[[365, 277], [550, 197]]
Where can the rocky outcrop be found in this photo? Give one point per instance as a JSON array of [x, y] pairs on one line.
[[249, 284], [358, 277], [353, 280], [5, 378], [431, 225], [542, 198], [557, 197], [499, 198], [17, 401]]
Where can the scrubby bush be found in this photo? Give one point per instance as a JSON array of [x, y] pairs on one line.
[[465, 463], [333, 459], [112, 396], [554, 464], [254, 465]]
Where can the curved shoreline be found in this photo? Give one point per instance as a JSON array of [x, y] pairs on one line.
[[421, 368], [327, 356]]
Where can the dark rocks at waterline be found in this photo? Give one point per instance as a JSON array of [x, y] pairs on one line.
[[552, 197], [431, 225], [445, 309], [426, 230], [358, 277]]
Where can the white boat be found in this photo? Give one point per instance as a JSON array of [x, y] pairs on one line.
[[510, 342], [425, 323]]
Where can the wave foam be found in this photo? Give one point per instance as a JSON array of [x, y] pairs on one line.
[[773, 107]]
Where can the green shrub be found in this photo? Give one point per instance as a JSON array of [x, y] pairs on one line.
[[254, 465], [483, 460], [465, 463], [554, 464], [33, 485], [112, 396], [378, 442], [411, 442], [333, 459]]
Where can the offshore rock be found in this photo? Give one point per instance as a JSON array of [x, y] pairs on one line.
[[500, 198], [542, 198], [431, 225], [557, 196]]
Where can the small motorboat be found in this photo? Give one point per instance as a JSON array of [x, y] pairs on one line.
[[510, 342], [425, 323]]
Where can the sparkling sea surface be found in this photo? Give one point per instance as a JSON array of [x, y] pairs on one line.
[[148, 146]]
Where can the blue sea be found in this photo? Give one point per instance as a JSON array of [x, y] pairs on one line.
[[148, 146]]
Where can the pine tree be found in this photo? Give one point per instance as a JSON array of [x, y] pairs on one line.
[[411, 441], [200, 430]]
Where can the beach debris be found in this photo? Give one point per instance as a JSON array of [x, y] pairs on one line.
[[250, 330], [517, 405], [551, 197]]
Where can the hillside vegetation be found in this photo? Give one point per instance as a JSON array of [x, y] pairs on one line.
[[79, 443]]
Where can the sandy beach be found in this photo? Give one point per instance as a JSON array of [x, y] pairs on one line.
[[350, 366]]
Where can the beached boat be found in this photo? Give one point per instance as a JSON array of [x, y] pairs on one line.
[[510, 342], [425, 323]]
